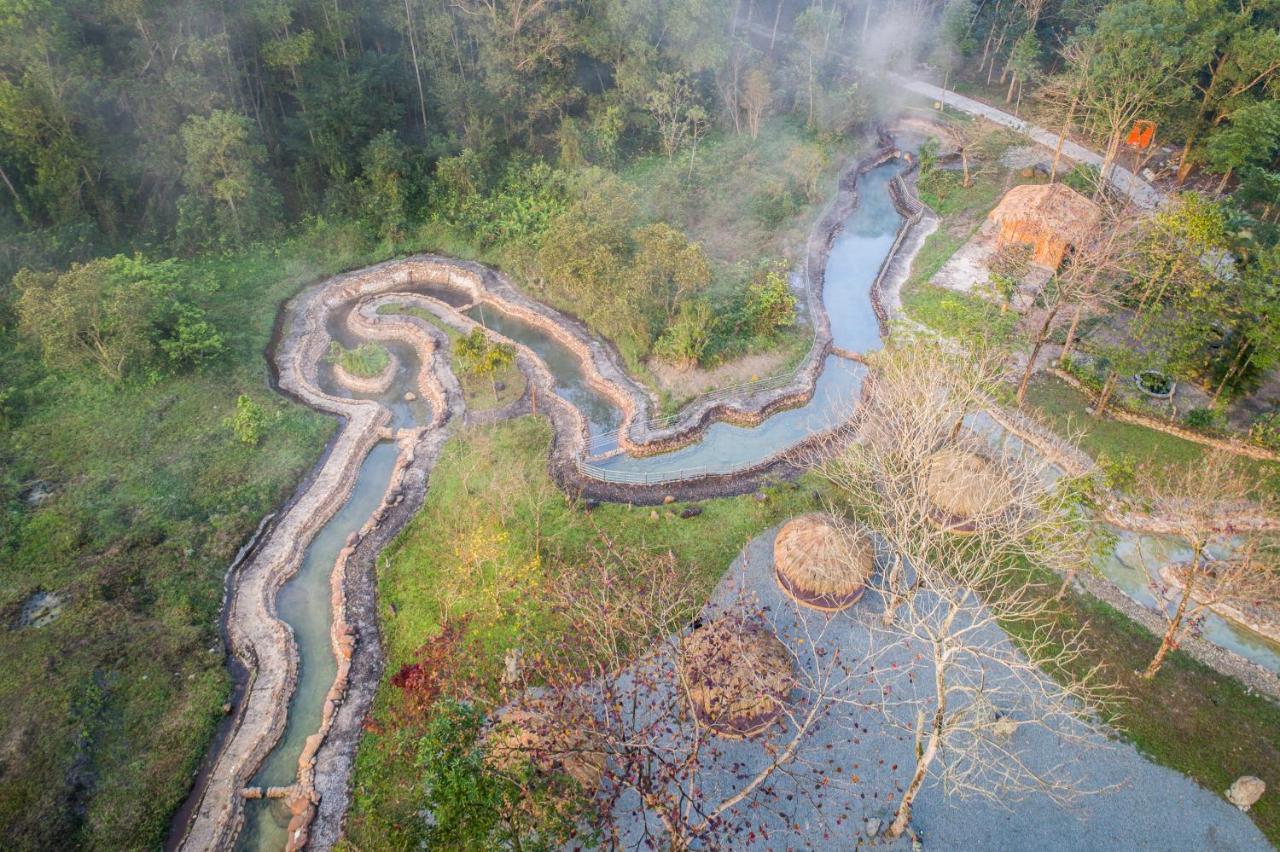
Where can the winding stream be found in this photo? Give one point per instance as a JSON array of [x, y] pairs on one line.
[[854, 260]]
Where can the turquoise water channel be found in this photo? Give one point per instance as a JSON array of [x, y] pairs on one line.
[[855, 259], [304, 603]]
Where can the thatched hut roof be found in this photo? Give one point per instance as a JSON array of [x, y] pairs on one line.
[[964, 485], [547, 735], [1050, 217], [820, 565], [736, 676]]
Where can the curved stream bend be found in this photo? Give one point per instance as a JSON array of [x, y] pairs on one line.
[[265, 644]]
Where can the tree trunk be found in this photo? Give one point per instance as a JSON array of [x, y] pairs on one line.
[[1237, 364], [1175, 623], [1062, 137], [417, 71], [774, 35], [1041, 337], [925, 757], [1108, 388], [1071, 335], [1222, 184]]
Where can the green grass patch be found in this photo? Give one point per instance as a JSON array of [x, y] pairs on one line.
[[960, 316], [366, 360], [108, 708], [1065, 409], [493, 528]]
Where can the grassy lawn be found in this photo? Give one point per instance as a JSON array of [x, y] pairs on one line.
[[492, 530], [1189, 717], [1064, 409], [108, 708], [960, 316]]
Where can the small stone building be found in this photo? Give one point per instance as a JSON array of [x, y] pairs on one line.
[[1051, 218]]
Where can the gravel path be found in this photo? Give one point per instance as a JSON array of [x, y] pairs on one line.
[[1142, 193], [1143, 806]]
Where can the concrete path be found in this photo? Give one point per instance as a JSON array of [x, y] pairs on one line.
[[1138, 190]]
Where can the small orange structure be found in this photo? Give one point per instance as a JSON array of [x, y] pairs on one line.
[[1051, 218], [1141, 134]]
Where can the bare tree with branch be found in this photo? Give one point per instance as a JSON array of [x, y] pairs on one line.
[[924, 405], [665, 779], [1209, 506], [972, 700], [1088, 281]]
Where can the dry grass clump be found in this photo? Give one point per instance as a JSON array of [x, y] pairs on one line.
[[963, 486], [735, 675], [821, 565]]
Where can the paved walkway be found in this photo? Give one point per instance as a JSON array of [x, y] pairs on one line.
[[1139, 191]]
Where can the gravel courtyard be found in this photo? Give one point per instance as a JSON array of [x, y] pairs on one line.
[[854, 759]]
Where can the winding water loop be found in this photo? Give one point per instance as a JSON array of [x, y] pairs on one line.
[[864, 242]]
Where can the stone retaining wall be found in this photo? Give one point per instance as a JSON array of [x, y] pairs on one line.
[[373, 385], [1124, 415], [257, 636]]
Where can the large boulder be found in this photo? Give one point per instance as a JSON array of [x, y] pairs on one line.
[[1246, 791]]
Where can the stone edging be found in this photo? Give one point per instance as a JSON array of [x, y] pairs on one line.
[[256, 635], [1124, 415]]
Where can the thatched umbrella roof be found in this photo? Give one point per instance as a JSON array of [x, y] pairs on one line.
[[964, 485], [1050, 217], [736, 676], [821, 565], [547, 735]]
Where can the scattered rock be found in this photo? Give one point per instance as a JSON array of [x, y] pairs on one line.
[[226, 708], [511, 666], [40, 609], [410, 396], [760, 496], [691, 512], [499, 386], [669, 499], [653, 514], [590, 505], [873, 827], [353, 539], [36, 493], [1246, 791]]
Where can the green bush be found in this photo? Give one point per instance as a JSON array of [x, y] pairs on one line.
[[770, 305], [686, 339], [1265, 430], [249, 422], [777, 204], [1203, 418]]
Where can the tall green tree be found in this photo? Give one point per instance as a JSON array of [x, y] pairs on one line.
[[228, 197]]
